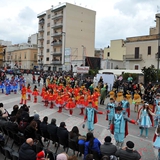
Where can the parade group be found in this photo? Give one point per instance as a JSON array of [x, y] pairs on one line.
[[64, 92]]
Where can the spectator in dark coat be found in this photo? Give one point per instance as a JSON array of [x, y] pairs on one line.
[[43, 128], [52, 129], [73, 135], [36, 118], [15, 110], [26, 152], [128, 153], [108, 148], [63, 133]]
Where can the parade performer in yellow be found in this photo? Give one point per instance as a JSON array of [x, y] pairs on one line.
[[23, 94]]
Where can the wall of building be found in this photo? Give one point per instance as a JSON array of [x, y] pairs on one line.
[[116, 50], [147, 60], [80, 29]]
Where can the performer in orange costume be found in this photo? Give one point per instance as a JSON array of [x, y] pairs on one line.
[[70, 105], [29, 92], [35, 93], [50, 98], [23, 94], [45, 97]]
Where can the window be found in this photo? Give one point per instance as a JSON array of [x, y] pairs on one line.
[[136, 54], [47, 59], [136, 67], [108, 54], [49, 16], [48, 33], [47, 50], [48, 24], [48, 41], [54, 49], [25, 56], [149, 50]]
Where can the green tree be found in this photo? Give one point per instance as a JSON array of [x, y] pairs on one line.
[[150, 74]]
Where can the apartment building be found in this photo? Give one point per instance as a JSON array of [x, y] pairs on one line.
[[142, 50], [22, 56], [64, 27], [2, 53]]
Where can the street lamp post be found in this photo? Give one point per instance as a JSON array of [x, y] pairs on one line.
[[83, 55], [158, 54], [63, 48]]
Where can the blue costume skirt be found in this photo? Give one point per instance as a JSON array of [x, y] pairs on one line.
[[146, 122], [156, 144]]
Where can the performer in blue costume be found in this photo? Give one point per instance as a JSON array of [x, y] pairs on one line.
[[110, 111], [7, 86], [91, 116], [2, 86], [157, 112], [157, 99], [144, 119], [119, 126], [156, 140], [125, 105]]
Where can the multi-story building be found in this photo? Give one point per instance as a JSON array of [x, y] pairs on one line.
[[33, 39], [22, 56], [142, 50], [113, 55], [62, 27]]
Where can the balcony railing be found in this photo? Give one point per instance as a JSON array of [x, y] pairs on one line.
[[57, 16], [40, 62], [40, 54], [41, 22], [132, 57], [56, 62], [56, 53], [41, 30], [57, 25], [56, 43], [56, 34], [40, 46], [41, 38]]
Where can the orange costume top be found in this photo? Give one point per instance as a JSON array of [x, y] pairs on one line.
[[24, 90], [70, 104], [35, 92], [29, 89], [129, 98]]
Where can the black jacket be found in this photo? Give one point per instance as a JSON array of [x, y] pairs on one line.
[[52, 129], [26, 152], [128, 154], [62, 134], [30, 132], [108, 149]]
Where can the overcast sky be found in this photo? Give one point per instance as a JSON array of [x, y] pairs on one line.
[[115, 19]]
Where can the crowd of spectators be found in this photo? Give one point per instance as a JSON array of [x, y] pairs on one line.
[[36, 132]]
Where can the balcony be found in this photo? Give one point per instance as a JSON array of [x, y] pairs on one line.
[[56, 62], [56, 34], [40, 46], [41, 30], [58, 53], [56, 43], [132, 57], [40, 62], [40, 38], [60, 15], [40, 54], [57, 25], [41, 22]]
